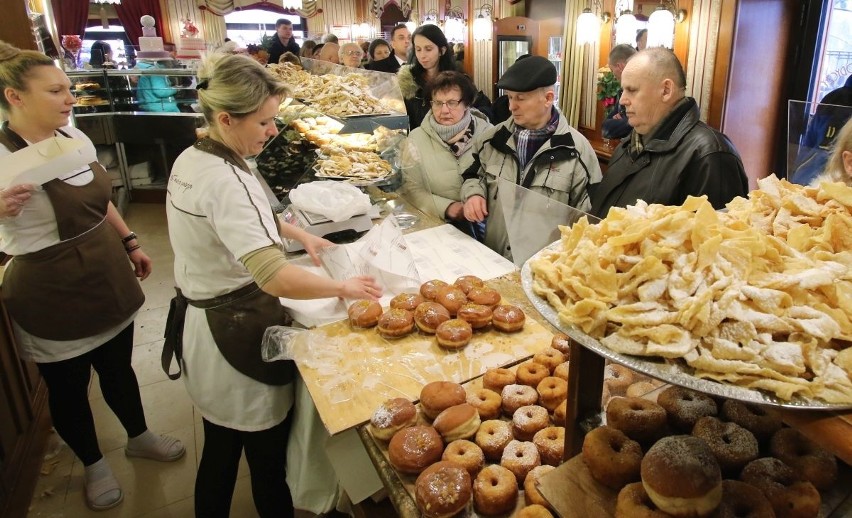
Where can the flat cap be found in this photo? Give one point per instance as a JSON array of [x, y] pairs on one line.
[[528, 74]]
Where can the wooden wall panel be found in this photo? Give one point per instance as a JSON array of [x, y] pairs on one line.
[[15, 25], [754, 110]]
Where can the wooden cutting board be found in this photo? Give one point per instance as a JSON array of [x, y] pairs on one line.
[[350, 372]]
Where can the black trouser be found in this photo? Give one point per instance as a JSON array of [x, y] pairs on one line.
[[68, 397], [266, 453]]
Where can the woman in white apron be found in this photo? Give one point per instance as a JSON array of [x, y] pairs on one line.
[[230, 269], [70, 290]]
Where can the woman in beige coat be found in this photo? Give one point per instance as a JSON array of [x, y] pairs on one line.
[[438, 152]]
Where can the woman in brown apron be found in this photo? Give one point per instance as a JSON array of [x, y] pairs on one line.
[[230, 269], [70, 290]]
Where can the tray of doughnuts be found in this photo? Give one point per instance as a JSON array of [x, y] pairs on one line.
[[480, 447], [678, 452]]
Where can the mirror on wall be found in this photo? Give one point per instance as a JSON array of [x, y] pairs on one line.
[[626, 30]]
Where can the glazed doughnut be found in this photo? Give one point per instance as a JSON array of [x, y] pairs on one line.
[[531, 493], [534, 511], [789, 494], [550, 358], [617, 378], [681, 476], [520, 458], [815, 464], [560, 413], [550, 442], [551, 392], [731, 444], [392, 416], [443, 489], [634, 502], [429, 289], [496, 379], [561, 371], [477, 315], [492, 437], [528, 420], [684, 407], [395, 323], [457, 422], [640, 388], [486, 402], [406, 301], [484, 295], [451, 298], [414, 448], [753, 418], [742, 500], [454, 334], [516, 396], [429, 315], [562, 343], [364, 313], [465, 454], [613, 458], [640, 419], [531, 373], [437, 396], [508, 318], [466, 282], [495, 490]]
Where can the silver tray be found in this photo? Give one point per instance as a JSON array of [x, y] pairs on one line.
[[676, 373]]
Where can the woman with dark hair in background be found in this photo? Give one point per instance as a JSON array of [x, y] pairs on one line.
[[308, 49], [378, 50], [101, 53], [432, 55]]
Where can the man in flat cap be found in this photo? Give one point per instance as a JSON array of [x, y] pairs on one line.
[[535, 148], [670, 154]]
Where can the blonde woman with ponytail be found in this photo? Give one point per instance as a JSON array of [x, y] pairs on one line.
[[230, 270], [71, 288]]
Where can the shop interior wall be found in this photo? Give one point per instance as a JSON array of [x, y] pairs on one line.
[[15, 25]]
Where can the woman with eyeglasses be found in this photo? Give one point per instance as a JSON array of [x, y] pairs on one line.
[[444, 137], [350, 55]]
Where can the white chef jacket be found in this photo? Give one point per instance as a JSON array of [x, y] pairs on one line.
[[217, 213]]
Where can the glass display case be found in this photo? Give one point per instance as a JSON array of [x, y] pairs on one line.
[[154, 89]]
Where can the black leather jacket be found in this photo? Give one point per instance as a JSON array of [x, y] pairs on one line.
[[685, 157]]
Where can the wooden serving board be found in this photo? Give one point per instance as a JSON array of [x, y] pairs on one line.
[[350, 372]]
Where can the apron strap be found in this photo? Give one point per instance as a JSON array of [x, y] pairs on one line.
[[173, 344]]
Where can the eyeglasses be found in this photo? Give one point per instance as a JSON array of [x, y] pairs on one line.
[[437, 105], [354, 53]]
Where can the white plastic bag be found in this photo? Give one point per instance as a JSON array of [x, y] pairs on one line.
[[338, 201]]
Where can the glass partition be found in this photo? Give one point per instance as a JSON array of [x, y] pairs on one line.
[[811, 130]]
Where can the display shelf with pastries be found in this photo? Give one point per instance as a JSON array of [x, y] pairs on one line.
[[312, 146]]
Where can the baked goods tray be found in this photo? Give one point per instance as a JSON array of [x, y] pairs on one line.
[[674, 372]]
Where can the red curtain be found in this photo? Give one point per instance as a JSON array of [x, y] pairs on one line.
[[129, 12], [71, 16]]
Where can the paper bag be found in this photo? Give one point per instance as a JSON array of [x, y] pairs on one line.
[[43, 161]]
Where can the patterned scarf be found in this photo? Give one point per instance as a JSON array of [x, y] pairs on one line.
[[458, 136], [530, 141]]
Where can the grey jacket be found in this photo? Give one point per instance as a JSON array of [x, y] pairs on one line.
[[432, 176], [561, 170]]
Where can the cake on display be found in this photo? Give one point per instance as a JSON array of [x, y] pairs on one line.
[[190, 46], [150, 45]]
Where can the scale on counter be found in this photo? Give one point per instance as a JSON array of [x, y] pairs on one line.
[[323, 227]]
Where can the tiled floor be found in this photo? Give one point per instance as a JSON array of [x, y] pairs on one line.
[[151, 489]]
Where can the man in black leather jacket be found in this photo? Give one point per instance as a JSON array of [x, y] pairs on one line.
[[670, 154]]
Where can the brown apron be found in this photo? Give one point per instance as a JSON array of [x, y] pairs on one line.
[[237, 320], [83, 285]]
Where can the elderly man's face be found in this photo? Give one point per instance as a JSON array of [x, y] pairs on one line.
[[352, 55], [329, 52], [646, 97], [531, 110]]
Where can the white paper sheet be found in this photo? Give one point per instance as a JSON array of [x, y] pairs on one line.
[[400, 263], [42, 162]]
